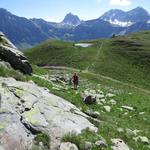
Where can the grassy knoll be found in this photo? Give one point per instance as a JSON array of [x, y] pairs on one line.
[[125, 58]]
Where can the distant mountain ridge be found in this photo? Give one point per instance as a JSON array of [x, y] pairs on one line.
[[20, 30], [122, 18], [28, 32]]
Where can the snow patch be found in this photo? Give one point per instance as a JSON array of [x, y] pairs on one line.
[[121, 23], [148, 21]]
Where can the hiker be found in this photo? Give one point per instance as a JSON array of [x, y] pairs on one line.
[[75, 79]]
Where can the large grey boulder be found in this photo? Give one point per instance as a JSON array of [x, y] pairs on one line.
[[9, 53], [27, 109]]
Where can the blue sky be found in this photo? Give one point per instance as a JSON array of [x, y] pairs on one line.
[[55, 10]]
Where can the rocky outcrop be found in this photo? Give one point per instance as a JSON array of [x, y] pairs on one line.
[[9, 53], [27, 109]]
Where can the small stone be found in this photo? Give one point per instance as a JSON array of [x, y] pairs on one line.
[[128, 108], [99, 91], [110, 95], [87, 146], [68, 146], [143, 139], [103, 101], [99, 103], [107, 108], [112, 102], [125, 113], [120, 130], [130, 132], [53, 79], [118, 144], [101, 143], [136, 132], [141, 113], [120, 109], [130, 93], [100, 96]]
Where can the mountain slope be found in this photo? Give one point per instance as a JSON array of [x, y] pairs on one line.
[[94, 29], [123, 58], [21, 31]]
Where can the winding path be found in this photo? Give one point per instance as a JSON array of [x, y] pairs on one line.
[[100, 45]]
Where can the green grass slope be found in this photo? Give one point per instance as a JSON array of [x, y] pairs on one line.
[[124, 58], [118, 123]]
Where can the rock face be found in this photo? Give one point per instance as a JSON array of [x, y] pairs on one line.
[[27, 109], [9, 53]]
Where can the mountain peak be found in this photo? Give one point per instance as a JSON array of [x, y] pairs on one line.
[[71, 19], [122, 18], [115, 16], [4, 11], [71, 14], [139, 10], [138, 14]]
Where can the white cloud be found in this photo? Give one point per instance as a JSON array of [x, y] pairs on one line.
[[121, 2]]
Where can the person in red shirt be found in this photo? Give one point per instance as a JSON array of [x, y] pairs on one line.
[[75, 79]]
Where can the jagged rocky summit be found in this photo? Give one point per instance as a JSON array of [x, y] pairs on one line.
[[9, 53]]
